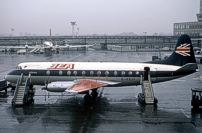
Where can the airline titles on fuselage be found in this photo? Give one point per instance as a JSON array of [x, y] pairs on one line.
[[61, 66]]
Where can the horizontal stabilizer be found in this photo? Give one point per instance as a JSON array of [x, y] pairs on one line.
[[188, 67]]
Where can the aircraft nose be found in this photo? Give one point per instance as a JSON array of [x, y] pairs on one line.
[[6, 77]]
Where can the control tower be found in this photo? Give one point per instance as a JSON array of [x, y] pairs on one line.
[[199, 16], [194, 29]]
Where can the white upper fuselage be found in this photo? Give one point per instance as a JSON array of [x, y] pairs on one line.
[[48, 44], [95, 66]]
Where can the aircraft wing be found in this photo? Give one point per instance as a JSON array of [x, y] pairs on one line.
[[77, 86], [72, 46], [88, 84], [79, 46]]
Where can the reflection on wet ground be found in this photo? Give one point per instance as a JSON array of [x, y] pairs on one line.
[[69, 116], [117, 110]]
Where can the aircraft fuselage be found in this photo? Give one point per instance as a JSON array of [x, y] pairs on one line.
[[125, 73]]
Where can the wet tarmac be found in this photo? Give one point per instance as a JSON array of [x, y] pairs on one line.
[[117, 110]]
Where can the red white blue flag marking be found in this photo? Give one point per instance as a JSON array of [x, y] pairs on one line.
[[183, 50]]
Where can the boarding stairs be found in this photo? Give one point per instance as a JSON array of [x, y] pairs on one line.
[[35, 50], [147, 95], [148, 92], [24, 92]]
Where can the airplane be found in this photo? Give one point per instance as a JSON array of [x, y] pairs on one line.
[[68, 47], [198, 54], [82, 77], [46, 45]]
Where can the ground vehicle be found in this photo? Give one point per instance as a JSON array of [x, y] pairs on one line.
[[196, 97], [3, 85]]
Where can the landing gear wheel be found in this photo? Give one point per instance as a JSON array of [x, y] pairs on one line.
[[13, 88], [5, 92], [195, 106], [32, 101], [155, 100], [31, 86], [13, 104], [87, 98], [94, 95]]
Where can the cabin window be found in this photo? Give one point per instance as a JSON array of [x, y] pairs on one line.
[[75, 73], [47, 72], [98, 73], [115, 73], [130, 73], [137, 73], [106, 73], [60, 73], [83, 73], [68, 73], [123, 73], [91, 73]]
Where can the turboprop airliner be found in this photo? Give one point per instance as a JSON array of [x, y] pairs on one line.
[[81, 77]]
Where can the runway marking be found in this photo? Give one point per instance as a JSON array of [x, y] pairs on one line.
[[184, 113]]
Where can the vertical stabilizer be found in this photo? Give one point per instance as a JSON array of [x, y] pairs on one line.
[[182, 54]]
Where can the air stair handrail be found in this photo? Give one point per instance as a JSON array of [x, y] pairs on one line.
[[27, 85]]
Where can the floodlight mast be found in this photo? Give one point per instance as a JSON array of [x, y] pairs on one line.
[[78, 31], [73, 24], [12, 30]]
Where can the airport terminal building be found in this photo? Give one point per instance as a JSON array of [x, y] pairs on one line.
[[194, 29]]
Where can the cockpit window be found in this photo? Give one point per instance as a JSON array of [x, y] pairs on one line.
[[19, 67]]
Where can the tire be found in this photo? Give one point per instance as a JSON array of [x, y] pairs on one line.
[[31, 86], [87, 98], [32, 101], [195, 106], [13, 104], [6, 91], [94, 95]]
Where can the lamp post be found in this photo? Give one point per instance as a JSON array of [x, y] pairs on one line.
[[78, 31], [12, 30]]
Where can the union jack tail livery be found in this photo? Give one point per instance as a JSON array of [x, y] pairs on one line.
[[184, 50], [182, 55]]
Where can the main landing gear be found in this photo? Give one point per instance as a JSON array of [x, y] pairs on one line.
[[91, 98]]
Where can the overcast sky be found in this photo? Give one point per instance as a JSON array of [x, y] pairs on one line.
[[95, 16]]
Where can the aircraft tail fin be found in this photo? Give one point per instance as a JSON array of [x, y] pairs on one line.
[[183, 53]]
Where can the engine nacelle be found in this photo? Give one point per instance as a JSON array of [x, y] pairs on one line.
[[59, 86], [198, 52]]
